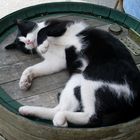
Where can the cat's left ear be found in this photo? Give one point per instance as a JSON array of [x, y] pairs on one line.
[[14, 45], [11, 46]]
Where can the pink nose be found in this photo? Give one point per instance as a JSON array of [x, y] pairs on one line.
[[28, 41]]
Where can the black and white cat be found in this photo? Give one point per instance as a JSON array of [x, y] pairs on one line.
[[104, 84]]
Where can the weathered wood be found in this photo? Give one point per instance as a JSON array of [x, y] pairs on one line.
[[39, 86], [1, 138], [47, 99], [15, 127], [13, 71]]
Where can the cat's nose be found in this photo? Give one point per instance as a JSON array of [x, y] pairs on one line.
[[28, 41]]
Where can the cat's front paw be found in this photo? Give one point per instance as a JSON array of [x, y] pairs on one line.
[[26, 79], [43, 47], [60, 120]]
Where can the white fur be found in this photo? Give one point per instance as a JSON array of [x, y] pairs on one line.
[[122, 90], [42, 49]]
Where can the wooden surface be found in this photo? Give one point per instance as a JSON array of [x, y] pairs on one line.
[[43, 91], [2, 138], [15, 127]]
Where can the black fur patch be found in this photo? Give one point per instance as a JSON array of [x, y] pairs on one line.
[[77, 93], [54, 28], [94, 121], [58, 96], [112, 109], [109, 60], [72, 59]]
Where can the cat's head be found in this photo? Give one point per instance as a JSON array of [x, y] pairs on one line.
[[26, 40]]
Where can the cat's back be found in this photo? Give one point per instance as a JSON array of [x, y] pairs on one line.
[[102, 45]]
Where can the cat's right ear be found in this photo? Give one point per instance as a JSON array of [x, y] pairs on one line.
[[19, 23]]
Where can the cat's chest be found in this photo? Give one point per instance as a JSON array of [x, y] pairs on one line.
[[54, 52]]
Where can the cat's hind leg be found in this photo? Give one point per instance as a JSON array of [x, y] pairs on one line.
[[40, 112], [67, 102], [88, 103]]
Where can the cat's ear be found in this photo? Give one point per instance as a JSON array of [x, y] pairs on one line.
[[11, 46], [17, 21], [25, 26]]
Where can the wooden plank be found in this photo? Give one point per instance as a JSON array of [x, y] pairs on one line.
[[13, 72], [15, 127], [2, 138], [47, 99], [12, 133], [40, 85], [8, 57], [8, 73]]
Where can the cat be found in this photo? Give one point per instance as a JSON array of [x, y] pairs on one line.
[[103, 88]]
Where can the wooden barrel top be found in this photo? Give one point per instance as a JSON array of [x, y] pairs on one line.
[[44, 91]]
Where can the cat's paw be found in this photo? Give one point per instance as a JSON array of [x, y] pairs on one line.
[[43, 47], [26, 79], [24, 84], [60, 120], [25, 110]]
